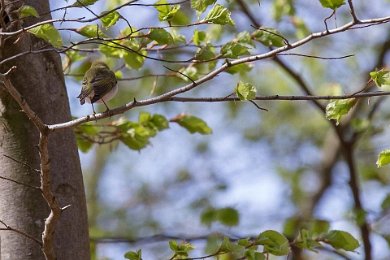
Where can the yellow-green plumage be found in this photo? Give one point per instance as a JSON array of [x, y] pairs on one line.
[[99, 84]]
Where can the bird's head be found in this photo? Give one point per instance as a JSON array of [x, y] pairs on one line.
[[99, 64]]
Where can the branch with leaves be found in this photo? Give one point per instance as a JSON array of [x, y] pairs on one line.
[[203, 64]]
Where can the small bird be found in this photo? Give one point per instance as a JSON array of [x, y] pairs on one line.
[[99, 85]]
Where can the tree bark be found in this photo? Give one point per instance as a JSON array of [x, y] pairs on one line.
[[39, 78]]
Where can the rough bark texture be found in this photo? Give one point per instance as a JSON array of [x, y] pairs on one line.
[[40, 80]]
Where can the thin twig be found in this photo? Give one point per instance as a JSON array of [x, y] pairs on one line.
[[20, 183], [7, 227], [22, 163]]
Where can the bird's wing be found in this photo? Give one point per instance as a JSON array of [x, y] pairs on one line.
[[85, 90], [102, 83]]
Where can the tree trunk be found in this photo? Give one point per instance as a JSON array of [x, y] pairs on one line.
[[39, 78]]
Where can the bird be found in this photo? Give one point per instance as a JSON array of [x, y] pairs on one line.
[[99, 85]]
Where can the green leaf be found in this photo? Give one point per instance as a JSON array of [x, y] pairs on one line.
[[341, 240], [228, 216], [274, 243], [219, 15], [91, 31], [161, 36], [177, 38], [318, 226], [301, 29], [198, 37], [81, 3], [306, 241], [48, 33], [137, 137], [181, 250], [111, 49], [26, 11], [269, 37], [132, 255], [234, 50], [383, 158], [191, 72], [245, 38], [160, 122], [205, 53], [74, 55], [201, 5], [245, 91], [156, 122], [381, 77], [110, 19], [385, 205], [235, 251], [282, 8], [208, 216], [134, 59], [332, 4], [253, 255], [166, 12], [192, 124], [83, 144], [336, 109], [241, 68]]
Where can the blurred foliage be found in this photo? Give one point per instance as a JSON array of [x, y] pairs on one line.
[[180, 43]]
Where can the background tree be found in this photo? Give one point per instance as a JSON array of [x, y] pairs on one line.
[[290, 167]]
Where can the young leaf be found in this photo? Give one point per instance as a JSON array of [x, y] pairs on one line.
[[245, 91], [219, 15], [135, 57], [111, 50], [91, 31], [160, 122], [306, 241], [177, 38], [228, 216], [161, 36], [205, 53], [137, 136], [234, 50], [336, 109], [274, 243], [192, 124], [268, 37], [83, 144], [48, 33], [383, 158], [198, 37], [281, 8], [181, 250], [201, 5], [240, 68], [245, 38], [381, 77], [385, 205], [110, 19], [208, 216], [166, 12], [27, 10], [81, 3], [341, 240], [332, 4], [132, 255], [191, 72], [253, 255]]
